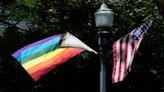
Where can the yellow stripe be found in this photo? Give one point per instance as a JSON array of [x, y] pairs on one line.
[[53, 62], [42, 58]]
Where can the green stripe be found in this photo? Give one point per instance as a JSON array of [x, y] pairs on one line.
[[38, 53]]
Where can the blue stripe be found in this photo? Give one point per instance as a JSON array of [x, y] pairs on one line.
[[38, 47]]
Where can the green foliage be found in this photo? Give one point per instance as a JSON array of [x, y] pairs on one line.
[[28, 3]]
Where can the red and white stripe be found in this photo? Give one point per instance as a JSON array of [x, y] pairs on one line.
[[123, 53]]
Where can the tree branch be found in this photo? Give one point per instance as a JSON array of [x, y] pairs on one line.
[[8, 23]]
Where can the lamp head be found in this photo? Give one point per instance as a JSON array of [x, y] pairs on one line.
[[104, 16]]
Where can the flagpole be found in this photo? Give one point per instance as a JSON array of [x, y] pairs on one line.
[[103, 50], [104, 21]]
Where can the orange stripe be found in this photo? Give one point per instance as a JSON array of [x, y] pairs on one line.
[[45, 63], [37, 74]]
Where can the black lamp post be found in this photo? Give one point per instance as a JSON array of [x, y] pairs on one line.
[[104, 22]]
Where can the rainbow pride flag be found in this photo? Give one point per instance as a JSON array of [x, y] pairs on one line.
[[42, 56]]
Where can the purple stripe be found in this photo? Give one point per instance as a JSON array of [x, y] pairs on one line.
[[35, 43]]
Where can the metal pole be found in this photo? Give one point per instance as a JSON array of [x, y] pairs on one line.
[[103, 49]]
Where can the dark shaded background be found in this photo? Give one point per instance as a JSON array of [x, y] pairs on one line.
[[38, 19]]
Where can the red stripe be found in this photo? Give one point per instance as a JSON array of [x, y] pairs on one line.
[[133, 47], [132, 52], [119, 75], [36, 75], [114, 61]]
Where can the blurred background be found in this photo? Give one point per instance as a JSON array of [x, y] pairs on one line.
[[25, 21]]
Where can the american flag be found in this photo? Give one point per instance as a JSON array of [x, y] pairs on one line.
[[124, 50]]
